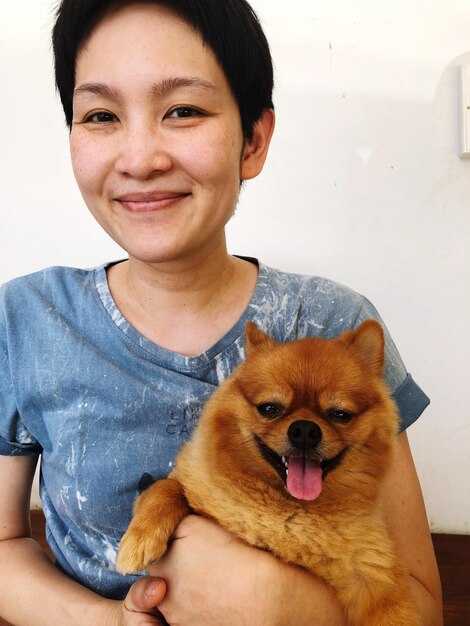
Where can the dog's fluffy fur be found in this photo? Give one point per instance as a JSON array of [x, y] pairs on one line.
[[320, 408]]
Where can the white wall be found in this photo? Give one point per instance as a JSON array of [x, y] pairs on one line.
[[363, 185]]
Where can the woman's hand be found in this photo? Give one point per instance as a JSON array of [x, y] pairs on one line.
[[214, 578], [139, 606]]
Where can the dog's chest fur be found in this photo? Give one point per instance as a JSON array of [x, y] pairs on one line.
[[296, 532]]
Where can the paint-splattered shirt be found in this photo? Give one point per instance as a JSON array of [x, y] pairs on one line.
[[103, 405]]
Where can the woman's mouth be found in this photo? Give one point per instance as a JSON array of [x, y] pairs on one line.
[[150, 201]]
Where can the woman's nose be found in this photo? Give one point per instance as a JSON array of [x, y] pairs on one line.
[[143, 152]]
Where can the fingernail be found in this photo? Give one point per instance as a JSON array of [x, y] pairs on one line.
[[151, 589]]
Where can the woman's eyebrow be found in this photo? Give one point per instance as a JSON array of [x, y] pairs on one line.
[[167, 85], [99, 89], [160, 89]]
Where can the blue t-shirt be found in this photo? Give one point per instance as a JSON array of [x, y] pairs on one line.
[[104, 406]]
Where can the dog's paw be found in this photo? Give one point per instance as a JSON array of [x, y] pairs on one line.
[[139, 548]]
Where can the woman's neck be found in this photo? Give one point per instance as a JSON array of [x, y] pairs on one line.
[[183, 306]]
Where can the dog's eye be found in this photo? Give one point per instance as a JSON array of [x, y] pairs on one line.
[[340, 416], [270, 410]]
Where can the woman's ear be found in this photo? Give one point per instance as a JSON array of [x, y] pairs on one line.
[[255, 151]]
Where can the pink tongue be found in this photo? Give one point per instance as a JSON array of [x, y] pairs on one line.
[[304, 478]]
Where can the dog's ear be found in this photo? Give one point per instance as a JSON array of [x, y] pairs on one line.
[[255, 338], [368, 339]]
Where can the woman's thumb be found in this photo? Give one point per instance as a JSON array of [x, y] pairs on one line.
[[145, 594]]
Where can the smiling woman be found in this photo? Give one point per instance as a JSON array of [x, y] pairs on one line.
[[104, 371], [158, 153]]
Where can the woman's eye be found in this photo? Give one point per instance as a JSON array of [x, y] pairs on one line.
[[101, 117], [181, 112]]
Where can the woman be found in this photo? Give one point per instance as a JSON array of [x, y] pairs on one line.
[[169, 105]]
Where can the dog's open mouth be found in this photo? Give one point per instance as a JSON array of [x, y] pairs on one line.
[[302, 475]]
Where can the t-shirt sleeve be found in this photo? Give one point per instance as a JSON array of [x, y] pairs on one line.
[[409, 397], [15, 438]]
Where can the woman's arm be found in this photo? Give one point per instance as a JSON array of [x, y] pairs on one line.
[[407, 522], [33, 590], [214, 578]]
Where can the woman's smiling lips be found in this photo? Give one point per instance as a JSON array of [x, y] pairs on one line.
[[144, 202]]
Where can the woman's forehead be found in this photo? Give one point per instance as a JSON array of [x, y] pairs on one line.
[[147, 36]]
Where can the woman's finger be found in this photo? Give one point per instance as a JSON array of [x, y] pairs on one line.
[[145, 595]]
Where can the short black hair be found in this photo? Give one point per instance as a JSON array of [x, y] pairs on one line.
[[229, 27]]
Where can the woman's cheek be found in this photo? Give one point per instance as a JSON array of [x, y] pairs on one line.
[[216, 168], [89, 164]]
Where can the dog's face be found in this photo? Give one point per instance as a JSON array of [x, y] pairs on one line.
[[312, 408]]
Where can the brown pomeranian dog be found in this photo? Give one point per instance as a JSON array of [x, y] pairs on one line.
[[289, 454]]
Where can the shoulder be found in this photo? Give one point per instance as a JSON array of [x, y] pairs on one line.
[[52, 283], [48, 279], [50, 293], [301, 305]]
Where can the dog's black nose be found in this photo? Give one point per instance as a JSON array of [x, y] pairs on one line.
[[304, 434]]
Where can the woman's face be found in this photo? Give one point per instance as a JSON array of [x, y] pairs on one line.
[[156, 143]]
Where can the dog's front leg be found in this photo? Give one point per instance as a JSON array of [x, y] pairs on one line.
[[157, 512]]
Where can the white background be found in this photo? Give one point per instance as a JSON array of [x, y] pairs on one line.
[[363, 185]]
